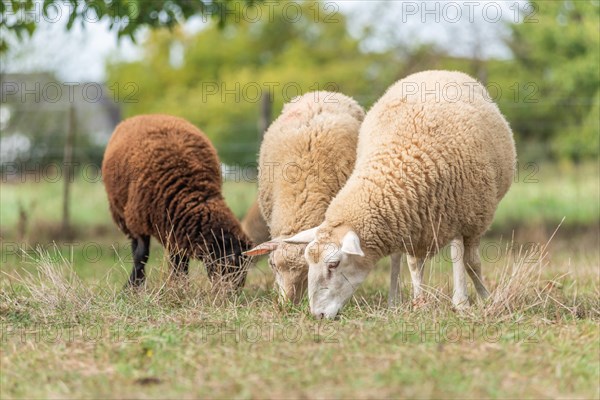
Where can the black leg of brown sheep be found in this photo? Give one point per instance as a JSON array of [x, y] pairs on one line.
[[141, 249], [180, 264]]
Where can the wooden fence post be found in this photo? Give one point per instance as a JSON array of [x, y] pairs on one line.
[[68, 170]]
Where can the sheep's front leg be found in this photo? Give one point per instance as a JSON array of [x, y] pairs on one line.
[[141, 249], [416, 267], [473, 263], [180, 264], [460, 297], [395, 279]]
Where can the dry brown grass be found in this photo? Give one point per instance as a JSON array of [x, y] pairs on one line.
[[521, 286], [187, 340]]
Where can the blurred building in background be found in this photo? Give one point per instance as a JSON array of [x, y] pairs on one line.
[[539, 61], [38, 112]]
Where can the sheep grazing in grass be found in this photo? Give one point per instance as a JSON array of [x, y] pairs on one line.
[[306, 156], [254, 225], [435, 157], [163, 179]]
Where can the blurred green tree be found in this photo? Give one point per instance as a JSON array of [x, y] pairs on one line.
[[125, 16], [557, 51], [216, 78]]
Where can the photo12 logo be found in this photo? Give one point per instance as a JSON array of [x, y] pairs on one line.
[[459, 331], [20, 92], [468, 11], [254, 332], [53, 333]]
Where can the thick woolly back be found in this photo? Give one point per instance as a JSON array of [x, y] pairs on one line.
[[306, 156], [163, 179], [435, 156]]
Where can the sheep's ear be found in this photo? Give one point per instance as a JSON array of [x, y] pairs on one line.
[[351, 244], [306, 236], [263, 248]]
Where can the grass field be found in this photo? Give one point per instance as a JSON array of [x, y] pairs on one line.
[[541, 195], [69, 331]]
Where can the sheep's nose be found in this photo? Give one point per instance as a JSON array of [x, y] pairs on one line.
[[319, 315]]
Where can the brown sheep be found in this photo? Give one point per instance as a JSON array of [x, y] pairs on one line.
[[254, 225], [163, 179]]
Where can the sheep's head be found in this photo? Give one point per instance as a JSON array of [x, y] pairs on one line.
[[288, 265], [337, 266], [225, 262]]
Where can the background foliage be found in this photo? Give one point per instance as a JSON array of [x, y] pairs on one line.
[[548, 87], [219, 81], [560, 53], [549, 90], [125, 16]]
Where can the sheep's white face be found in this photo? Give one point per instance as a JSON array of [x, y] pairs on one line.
[[335, 270], [288, 265]]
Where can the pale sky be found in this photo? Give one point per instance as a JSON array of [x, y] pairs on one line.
[[460, 27]]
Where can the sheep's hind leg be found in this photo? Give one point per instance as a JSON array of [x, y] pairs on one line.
[[460, 297], [473, 263], [141, 249], [416, 267], [395, 280], [180, 264]]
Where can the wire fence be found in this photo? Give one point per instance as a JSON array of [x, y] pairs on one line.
[[35, 124]]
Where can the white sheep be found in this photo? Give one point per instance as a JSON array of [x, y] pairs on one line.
[[306, 156], [435, 157]]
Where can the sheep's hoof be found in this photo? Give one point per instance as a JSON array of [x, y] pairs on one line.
[[419, 302], [178, 279], [461, 304], [129, 288], [394, 301]]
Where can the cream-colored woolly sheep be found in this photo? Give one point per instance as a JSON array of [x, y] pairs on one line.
[[435, 157], [306, 156]]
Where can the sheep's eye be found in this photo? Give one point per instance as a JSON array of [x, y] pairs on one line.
[[333, 265]]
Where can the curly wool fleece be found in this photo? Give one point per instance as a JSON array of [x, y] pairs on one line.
[[306, 156], [435, 157], [163, 179]]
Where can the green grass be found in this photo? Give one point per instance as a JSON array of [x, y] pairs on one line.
[[42, 203], [71, 337], [544, 194], [540, 196], [67, 330]]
